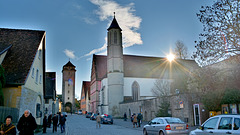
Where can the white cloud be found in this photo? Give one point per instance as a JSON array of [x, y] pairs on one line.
[[128, 22], [69, 53]]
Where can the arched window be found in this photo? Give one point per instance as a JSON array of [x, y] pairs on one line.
[[115, 37], [135, 91]]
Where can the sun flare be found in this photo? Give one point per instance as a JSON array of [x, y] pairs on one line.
[[170, 57]]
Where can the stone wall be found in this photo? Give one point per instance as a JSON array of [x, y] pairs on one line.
[[147, 107]]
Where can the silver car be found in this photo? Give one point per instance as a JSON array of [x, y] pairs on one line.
[[165, 126], [219, 125]]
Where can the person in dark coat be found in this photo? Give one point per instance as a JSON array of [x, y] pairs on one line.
[[8, 128], [55, 122], [26, 124], [49, 120], [45, 123], [139, 119], [62, 123], [125, 116]]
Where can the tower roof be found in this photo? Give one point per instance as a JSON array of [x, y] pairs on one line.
[[114, 24], [69, 64]]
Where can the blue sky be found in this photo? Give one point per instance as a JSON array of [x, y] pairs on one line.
[[76, 29]]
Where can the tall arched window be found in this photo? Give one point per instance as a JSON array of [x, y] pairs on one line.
[[115, 37], [135, 91]]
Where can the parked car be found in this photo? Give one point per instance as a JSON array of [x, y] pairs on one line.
[[219, 125], [64, 114], [93, 117], [89, 114], [106, 119], [166, 126], [79, 112]]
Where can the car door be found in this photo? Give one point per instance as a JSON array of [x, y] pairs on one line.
[[209, 127], [158, 126], [152, 126], [224, 126], [236, 126]]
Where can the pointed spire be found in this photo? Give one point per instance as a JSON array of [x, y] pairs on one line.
[[114, 24]]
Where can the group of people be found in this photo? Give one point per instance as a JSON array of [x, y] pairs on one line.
[[136, 119], [56, 120], [27, 124]]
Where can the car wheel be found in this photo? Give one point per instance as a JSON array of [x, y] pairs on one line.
[[161, 133], [145, 132]]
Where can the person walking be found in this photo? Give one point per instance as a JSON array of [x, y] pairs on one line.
[[49, 120], [26, 124], [8, 128], [125, 116], [55, 122], [45, 123], [62, 123], [134, 120], [139, 119], [98, 121]]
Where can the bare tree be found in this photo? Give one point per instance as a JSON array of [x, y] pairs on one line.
[[181, 51], [161, 88], [221, 32]]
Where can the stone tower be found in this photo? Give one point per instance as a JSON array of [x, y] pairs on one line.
[[68, 87], [114, 67]]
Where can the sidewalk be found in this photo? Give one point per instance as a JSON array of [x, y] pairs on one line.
[[128, 124]]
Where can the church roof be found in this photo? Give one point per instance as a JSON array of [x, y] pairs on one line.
[[114, 24], [69, 64], [144, 66], [22, 46]]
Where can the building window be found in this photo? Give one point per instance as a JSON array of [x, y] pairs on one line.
[[40, 54], [36, 76], [46, 101], [38, 110], [68, 91], [68, 98], [33, 73], [40, 79], [135, 91]]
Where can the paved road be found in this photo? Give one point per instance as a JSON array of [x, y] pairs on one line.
[[79, 125]]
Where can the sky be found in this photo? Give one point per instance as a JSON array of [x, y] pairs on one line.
[[77, 29]]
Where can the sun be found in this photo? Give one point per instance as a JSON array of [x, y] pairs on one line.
[[170, 57]]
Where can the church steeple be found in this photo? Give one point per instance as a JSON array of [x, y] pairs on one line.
[[114, 24]]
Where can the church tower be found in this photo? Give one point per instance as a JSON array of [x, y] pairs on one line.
[[68, 87], [114, 67]]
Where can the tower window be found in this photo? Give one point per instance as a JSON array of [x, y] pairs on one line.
[[68, 98], [115, 37], [68, 91]]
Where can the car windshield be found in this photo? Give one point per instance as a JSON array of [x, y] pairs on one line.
[[173, 120]]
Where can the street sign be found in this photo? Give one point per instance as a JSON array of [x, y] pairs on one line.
[[181, 104]]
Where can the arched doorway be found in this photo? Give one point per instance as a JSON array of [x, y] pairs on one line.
[[68, 107]]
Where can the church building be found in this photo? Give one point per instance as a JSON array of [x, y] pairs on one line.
[[117, 79]]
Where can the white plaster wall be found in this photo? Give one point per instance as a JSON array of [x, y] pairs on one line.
[[37, 65], [2, 57], [145, 86]]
